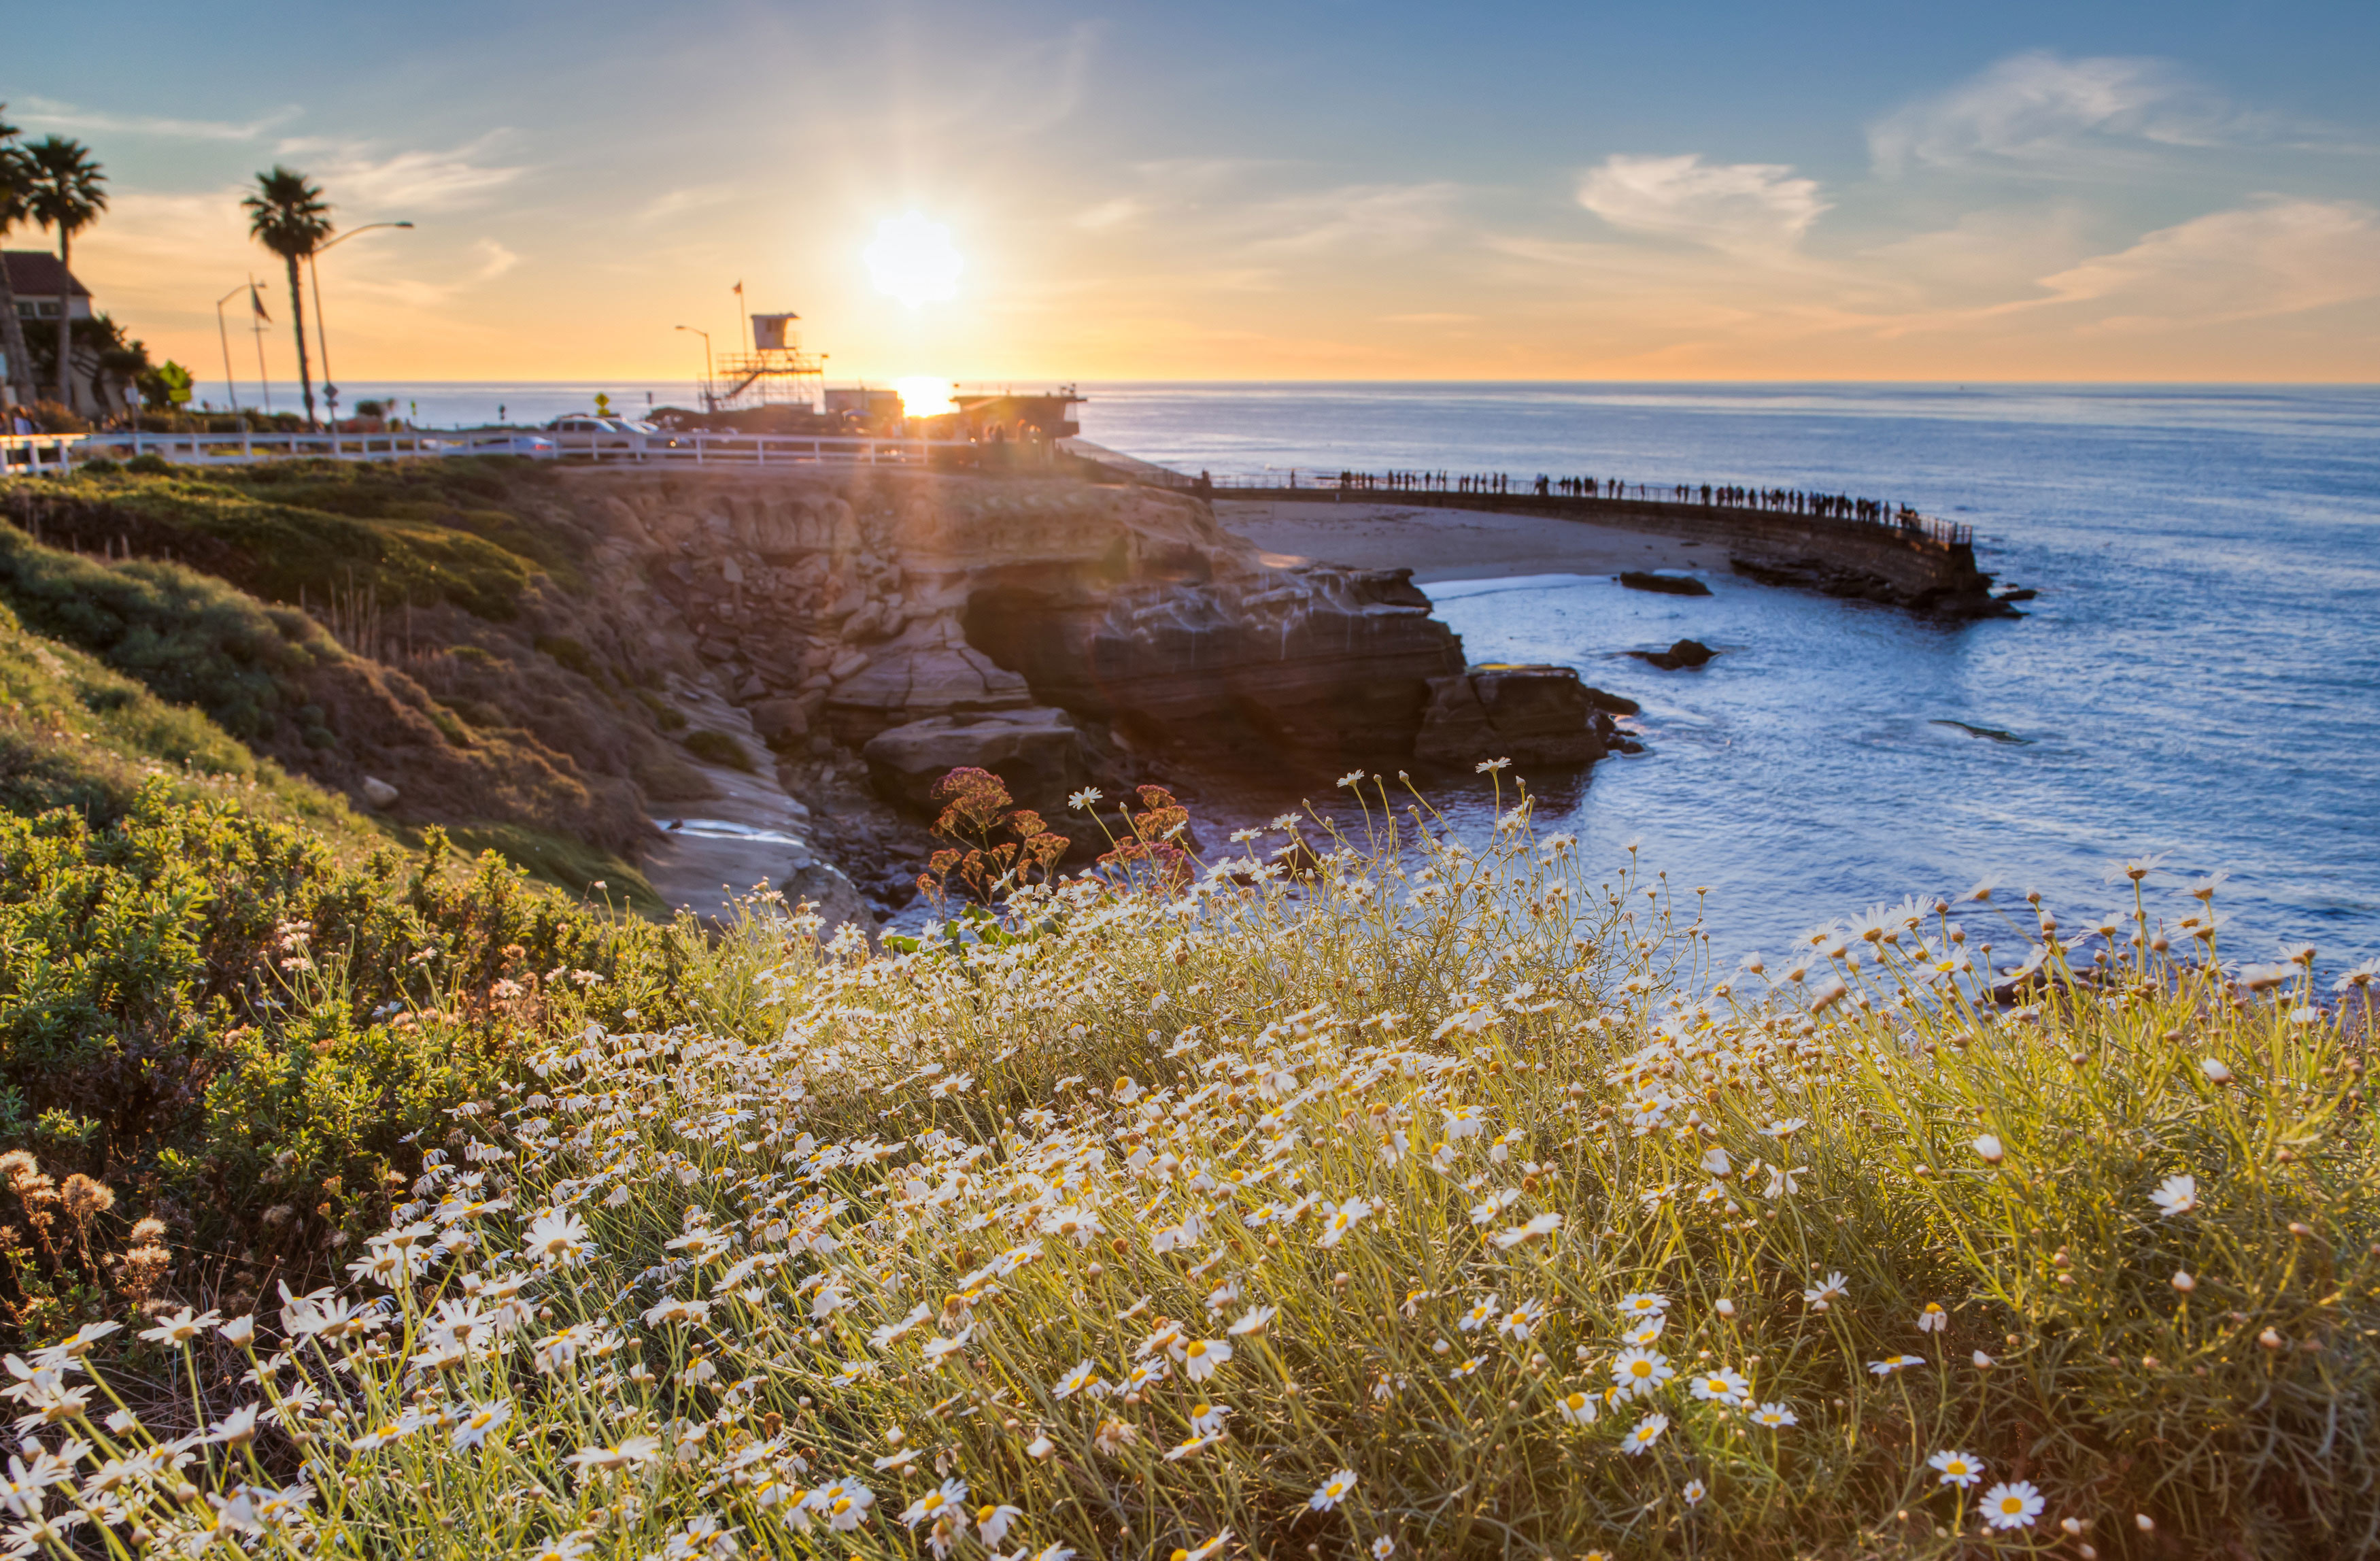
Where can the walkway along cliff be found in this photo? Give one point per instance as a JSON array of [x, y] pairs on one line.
[[1922, 564]]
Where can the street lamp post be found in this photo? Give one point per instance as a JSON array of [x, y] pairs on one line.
[[322, 340], [222, 333], [709, 402]]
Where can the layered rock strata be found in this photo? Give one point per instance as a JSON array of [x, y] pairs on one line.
[[878, 630]]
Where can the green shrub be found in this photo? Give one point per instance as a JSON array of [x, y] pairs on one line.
[[189, 636], [74, 734], [205, 1010], [717, 747], [571, 866]]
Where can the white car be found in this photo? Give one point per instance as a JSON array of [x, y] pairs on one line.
[[583, 433], [494, 444]]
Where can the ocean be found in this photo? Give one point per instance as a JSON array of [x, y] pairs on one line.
[[2199, 678]]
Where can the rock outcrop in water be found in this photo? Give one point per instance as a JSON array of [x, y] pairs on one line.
[[1533, 715]]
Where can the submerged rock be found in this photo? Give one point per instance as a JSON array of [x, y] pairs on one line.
[[1684, 654], [1668, 585]]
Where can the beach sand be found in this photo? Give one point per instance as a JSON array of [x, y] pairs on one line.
[[1451, 544]]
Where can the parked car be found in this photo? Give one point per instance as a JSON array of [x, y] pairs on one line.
[[584, 432], [495, 445]]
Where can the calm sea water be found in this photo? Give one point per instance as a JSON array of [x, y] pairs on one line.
[[2199, 677]]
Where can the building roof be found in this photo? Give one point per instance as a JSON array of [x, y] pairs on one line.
[[35, 272]]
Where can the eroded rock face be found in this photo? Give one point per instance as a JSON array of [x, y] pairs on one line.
[[1059, 633], [862, 603], [1319, 660], [1533, 715], [930, 671]]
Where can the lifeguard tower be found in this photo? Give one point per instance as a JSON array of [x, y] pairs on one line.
[[777, 373]]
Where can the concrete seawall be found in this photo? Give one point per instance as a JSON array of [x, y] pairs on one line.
[[1928, 569]]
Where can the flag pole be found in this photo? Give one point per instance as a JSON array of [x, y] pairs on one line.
[[258, 320]]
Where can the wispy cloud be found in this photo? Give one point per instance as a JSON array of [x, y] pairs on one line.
[[1377, 217], [363, 182], [1122, 212], [2278, 256], [49, 114], [1734, 206], [693, 198], [2044, 113], [495, 259]]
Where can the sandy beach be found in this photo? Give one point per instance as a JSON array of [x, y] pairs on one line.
[[1451, 544]]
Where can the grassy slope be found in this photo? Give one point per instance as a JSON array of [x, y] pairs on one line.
[[1458, 1128], [336, 536], [75, 733]]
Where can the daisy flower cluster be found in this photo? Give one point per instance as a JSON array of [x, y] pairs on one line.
[[1432, 1197]]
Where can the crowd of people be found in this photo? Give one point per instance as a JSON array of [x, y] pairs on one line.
[[1784, 501]]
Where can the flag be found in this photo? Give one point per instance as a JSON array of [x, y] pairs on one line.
[[256, 301], [739, 289]]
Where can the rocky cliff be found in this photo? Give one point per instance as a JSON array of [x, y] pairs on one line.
[[762, 673]]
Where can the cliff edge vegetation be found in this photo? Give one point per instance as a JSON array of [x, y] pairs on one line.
[[1385, 1197]]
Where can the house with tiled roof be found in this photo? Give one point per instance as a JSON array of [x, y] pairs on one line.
[[44, 289]]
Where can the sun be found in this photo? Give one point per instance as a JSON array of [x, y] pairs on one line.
[[911, 259], [925, 397]]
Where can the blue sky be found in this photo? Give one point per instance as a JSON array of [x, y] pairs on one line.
[[2027, 191]]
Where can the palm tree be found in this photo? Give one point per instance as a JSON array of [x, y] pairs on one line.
[[65, 194], [14, 182], [288, 216]]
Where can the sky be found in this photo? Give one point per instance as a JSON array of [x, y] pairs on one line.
[[1304, 190]]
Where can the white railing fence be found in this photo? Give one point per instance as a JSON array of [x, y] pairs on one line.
[[22, 453]]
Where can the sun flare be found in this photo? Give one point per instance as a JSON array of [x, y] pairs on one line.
[[911, 259], [923, 396]]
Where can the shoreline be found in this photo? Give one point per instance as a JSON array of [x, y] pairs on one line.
[[1440, 544]]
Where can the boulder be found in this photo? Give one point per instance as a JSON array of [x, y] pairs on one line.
[[1668, 585], [781, 720], [930, 670], [1610, 703], [1037, 751], [378, 793], [1686, 652], [1319, 660], [1529, 714]]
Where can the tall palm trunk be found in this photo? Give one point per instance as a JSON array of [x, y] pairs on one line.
[[12, 342], [65, 320], [298, 319]]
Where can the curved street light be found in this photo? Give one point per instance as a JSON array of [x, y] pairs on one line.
[[709, 402], [330, 390]]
